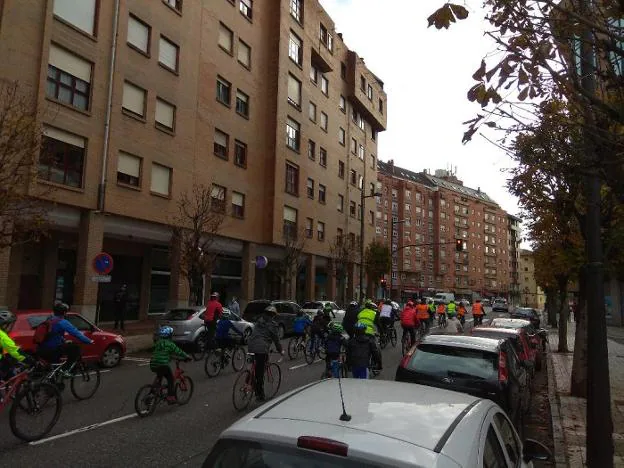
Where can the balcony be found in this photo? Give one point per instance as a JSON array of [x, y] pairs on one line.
[[369, 107], [322, 55]]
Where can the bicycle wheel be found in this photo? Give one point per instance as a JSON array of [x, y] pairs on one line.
[[238, 358], [322, 353], [394, 338], [243, 390], [310, 352], [212, 364], [184, 390], [293, 347], [405, 344], [85, 381], [272, 380], [40, 404], [199, 348], [146, 400], [383, 340]]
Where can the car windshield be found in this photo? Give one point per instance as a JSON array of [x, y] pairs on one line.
[[454, 361], [312, 305], [244, 454], [179, 314]]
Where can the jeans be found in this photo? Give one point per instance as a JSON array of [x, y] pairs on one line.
[[328, 363], [211, 329], [260, 360], [165, 371], [360, 372]]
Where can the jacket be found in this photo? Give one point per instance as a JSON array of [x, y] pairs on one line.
[[369, 318], [334, 343], [350, 318], [451, 308], [223, 329], [263, 335], [56, 336], [163, 350], [214, 311], [235, 308], [422, 312], [441, 309], [8, 346], [360, 348], [408, 317], [301, 323], [477, 308]]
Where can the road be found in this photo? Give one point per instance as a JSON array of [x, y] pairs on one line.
[[105, 432]]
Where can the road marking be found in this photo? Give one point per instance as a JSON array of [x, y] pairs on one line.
[[136, 359], [144, 364], [303, 365], [83, 429]]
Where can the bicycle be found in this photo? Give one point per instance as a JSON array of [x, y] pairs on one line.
[[217, 359], [315, 347], [478, 320], [388, 335], [338, 367], [201, 345], [442, 322], [79, 373], [245, 384], [149, 396], [296, 345], [30, 398], [406, 341]]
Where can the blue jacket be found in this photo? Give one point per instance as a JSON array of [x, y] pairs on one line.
[[56, 336], [334, 343], [223, 329], [301, 323]]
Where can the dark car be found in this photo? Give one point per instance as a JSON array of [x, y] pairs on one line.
[[483, 367], [526, 313], [286, 313], [524, 347]]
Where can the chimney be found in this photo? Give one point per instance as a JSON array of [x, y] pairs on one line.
[[479, 190], [340, 36], [391, 164]]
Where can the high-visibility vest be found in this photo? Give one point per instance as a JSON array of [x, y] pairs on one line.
[[461, 310], [432, 307], [451, 308], [477, 309], [422, 312], [441, 308]]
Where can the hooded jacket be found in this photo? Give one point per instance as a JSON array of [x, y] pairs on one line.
[[264, 334], [360, 348], [350, 317]]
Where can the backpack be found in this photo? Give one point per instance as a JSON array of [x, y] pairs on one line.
[[43, 330]]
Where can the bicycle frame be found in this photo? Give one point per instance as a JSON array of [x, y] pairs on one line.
[[10, 387]]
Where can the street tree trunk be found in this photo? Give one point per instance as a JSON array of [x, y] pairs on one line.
[[578, 378], [551, 307], [563, 315]]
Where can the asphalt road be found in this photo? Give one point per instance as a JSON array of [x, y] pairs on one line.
[[105, 432]]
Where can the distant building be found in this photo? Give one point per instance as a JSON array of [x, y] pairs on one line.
[[531, 295]]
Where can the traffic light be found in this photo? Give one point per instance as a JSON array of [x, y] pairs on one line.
[[459, 245], [383, 283]]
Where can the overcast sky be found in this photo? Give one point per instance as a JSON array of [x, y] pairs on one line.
[[426, 73]]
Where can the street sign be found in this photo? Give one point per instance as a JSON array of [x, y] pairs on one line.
[[261, 262], [103, 263], [101, 278]]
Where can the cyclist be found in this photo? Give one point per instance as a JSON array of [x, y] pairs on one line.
[[214, 311], [350, 317], [264, 334], [301, 324], [451, 309], [333, 346], [441, 310], [409, 321], [319, 327], [54, 346], [223, 337], [385, 315], [164, 349], [461, 313], [422, 312], [432, 310], [360, 348], [478, 312], [10, 353], [369, 317]]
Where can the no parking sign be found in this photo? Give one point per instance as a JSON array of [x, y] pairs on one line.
[[103, 263]]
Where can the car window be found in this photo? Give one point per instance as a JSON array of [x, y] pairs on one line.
[[255, 308], [36, 320], [78, 322], [493, 455], [513, 362], [447, 361], [294, 307], [179, 314], [334, 306], [312, 305], [509, 438]]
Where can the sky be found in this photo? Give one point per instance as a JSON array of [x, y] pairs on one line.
[[426, 74]]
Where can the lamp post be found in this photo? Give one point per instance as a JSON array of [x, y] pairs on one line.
[[393, 251], [362, 211]]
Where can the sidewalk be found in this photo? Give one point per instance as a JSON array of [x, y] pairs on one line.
[[568, 412], [138, 334]]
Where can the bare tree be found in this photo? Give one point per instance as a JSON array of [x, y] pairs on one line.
[[22, 213], [344, 252], [200, 218], [292, 261]]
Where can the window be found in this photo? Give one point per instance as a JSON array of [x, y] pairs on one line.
[[293, 130], [312, 112], [69, 78], [369, 92], [372, 161], [295, 49], [224, 91], [324, 121], [242, 103], [168, 54], [238, 205], [361, 122], [381, 106], [371, 217], [221, 144], [361, 152], [343, 70], [320, 228], [244, 54], [79, 14], [359, 212], [353, 145], [341, 203], [323, 157], [373, 134], [353, 176], [296, 9], [341, 169], [217, 198], [362, 83], [138, 34], [175, 4], [343, 104], [324, 85], [493, 455], [290, 222], [294, 91], [133, 99], [341, 136], [161, 180], [62, 157], [360, 182], [246, 8], [313, 74], [322, 194], [226, 38], [352, 207], [326, 38], [165, 114], [240, 153], [128, 169], [311, 150], [309, 232], [292, 179], [310, 188]]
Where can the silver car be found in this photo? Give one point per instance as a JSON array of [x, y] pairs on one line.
[[312, 307], [188, 323]]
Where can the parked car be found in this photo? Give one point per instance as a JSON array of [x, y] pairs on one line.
[[188, 324], [526, 313], [312, 307], [286, 313], [539, 336], [484, 367], [108, 348], [500, 305], [524, 347], [389, 424]]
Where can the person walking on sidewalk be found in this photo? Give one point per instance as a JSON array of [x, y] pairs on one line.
[[234, 307], [121, 301]]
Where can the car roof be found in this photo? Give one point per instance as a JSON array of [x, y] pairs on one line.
[[499, 330], [509, 322], [402, 416], [461, 341]]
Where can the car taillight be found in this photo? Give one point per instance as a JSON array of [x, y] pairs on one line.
[[503, 373], [320, 444], [407, 357]]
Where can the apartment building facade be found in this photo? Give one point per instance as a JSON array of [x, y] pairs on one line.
[[420, 216], [514, 238], [139, 100], [531, 295]]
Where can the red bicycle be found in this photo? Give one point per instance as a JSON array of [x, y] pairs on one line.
[[36, 402], [149, 396], [245, 384]]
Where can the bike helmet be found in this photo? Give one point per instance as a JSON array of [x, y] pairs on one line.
[[60, 308], [271, 310], [360, 326], [336, 327], [215, 295], [6, 318], [410, 303], [369, 304], [165, 332], [353, 303]]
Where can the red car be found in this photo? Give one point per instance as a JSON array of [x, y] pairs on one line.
[[523, 346], [108, 348]]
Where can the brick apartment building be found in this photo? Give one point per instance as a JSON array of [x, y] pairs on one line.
[[420, 216], [140, 99]]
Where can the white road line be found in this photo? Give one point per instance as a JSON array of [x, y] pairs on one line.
[[136, 359], [303, 365], [144, 364], [83, 429]]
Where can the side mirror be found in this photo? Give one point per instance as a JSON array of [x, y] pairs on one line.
[[534, 450]]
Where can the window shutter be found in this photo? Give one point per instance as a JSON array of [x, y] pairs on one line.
[[70, 63], [217, 192], [244, 53], [138, 34], [220, 138], [60, 135], [133, 99], [81, 14], [168, 53], [160, 179], [237, 199], [225, 37], [129, 165], [290, 214], [164, 113], [294, 90]]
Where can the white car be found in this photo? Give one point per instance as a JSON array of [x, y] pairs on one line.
[[384, 424], [312, 307]]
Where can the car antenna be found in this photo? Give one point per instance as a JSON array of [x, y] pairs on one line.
[[344, 416]]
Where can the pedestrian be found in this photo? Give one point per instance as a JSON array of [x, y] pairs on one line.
[[121, 301], [214, 311], [234, 307]]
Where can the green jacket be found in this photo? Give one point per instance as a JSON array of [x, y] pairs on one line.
[[451, 308], [367, 317], [164, 349], [8, 346]]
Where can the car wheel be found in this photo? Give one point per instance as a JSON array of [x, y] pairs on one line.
[[111, 356], [281, 332]]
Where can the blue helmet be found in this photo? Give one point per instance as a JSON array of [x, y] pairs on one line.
[[165, 332], [360, 326]]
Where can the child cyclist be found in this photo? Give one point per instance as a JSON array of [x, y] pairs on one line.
[[164, 350], [224, 339], [360, 348], [333, 346], [301, 325]]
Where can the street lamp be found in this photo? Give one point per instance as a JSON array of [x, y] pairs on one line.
[[392, 251], [362, 211]]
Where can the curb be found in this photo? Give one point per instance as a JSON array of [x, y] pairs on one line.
[[560, 457]]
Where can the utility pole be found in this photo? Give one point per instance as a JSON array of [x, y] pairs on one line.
[[599, 440], [362, 211]]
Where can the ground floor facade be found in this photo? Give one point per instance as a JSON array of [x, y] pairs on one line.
[[60, 267]]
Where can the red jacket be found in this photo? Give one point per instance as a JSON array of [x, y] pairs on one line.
[[408, 317], [214, 311]]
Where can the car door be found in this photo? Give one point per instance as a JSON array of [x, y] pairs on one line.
[[491, 448], [520, 379], [509, 439], [89, 351]]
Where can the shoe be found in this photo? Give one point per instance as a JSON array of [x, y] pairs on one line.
[[172, 400]]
